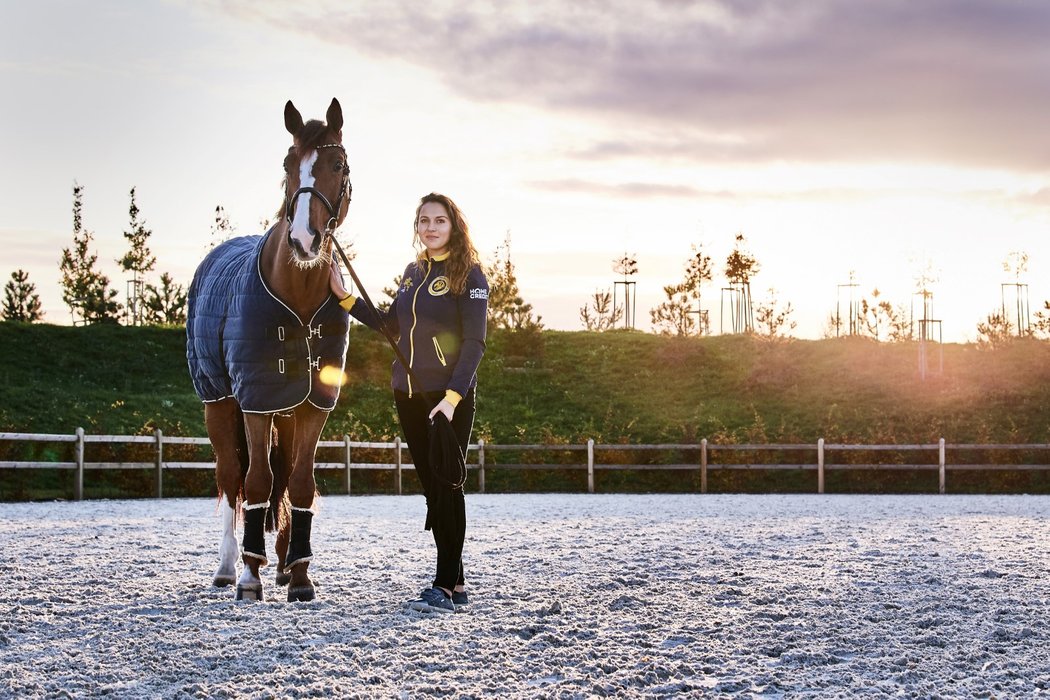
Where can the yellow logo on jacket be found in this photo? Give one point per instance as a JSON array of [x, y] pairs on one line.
[[438, 287]]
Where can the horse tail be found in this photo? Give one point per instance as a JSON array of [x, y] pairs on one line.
[[280, 511], [229, 423]]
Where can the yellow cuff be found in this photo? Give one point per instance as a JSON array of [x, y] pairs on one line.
[[452, 397], [348, 302]]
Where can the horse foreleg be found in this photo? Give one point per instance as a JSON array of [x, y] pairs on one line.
[[226, 430], [302, 488], [226, 574], [258, 484]]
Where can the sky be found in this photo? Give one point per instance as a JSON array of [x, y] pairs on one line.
[[886, 140]]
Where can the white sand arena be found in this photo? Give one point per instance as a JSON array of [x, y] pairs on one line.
[[572, 596]]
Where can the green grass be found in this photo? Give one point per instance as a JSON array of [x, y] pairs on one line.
[[563, 387]]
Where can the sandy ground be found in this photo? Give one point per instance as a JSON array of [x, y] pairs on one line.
[[572, 596]]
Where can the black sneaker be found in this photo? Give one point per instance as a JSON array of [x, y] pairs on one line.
[[433, 600], [459, 598]]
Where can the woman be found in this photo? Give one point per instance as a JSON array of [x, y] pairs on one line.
[[439, 317]]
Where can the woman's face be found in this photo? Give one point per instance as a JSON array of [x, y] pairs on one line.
[[434, 228]]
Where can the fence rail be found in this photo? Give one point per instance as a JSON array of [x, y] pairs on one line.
[[703, 464]]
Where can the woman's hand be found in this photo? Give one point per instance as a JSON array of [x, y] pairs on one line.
[[446, 408], [335, 281]]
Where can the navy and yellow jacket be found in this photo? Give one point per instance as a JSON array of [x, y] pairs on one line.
[[441, 334]]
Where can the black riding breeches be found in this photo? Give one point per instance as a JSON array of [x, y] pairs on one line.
[[449, 525]]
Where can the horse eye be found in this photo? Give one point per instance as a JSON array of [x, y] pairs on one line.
[[338, 166]]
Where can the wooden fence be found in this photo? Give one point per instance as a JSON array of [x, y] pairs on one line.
[[817, 452]]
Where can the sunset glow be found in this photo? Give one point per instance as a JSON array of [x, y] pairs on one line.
[[880, 139]]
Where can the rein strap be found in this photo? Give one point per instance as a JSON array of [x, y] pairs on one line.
[[382, 325]]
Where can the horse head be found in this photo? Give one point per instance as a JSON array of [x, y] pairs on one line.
[[317, 184]]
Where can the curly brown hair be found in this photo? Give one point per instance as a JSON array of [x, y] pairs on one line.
[[463, 256]]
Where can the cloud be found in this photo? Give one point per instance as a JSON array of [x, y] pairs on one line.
[[629, 190], [949, 81], [1039, 198]]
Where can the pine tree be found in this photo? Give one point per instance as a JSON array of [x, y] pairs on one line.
[[84, 289], [165, 304], [506, 307], [21, 302], [772, 317], [1041, 326], [604, 317], [995, 331], [675, 316], [138, 261]]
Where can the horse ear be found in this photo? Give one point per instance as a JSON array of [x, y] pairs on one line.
[[335, 116], [293, 121]]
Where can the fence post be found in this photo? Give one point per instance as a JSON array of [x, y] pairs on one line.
[[590, 465], [159, 435], [346, 462], [703, 466], [820, 465], [481, 465], [940, 463], [78, 478], [397, 453]]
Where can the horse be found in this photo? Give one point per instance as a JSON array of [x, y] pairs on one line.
[[266, 348]]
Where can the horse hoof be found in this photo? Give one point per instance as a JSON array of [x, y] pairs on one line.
[[223, 580], [249, 591], [301, 594], [283, 578]]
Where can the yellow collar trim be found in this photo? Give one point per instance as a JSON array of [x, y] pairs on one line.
[[439, 258]]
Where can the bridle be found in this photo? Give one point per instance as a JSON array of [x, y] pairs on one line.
[[345, 191]]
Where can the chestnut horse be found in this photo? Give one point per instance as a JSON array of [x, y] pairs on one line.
[[266, 346]]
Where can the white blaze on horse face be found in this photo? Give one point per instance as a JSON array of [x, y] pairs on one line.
[[300, 230]]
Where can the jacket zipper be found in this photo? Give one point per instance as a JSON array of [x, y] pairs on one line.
[[412, 330], [437, 349]]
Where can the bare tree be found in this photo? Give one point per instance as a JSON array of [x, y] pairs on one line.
[[221, 230], [1016, 264], [627, 267], [741, 267]]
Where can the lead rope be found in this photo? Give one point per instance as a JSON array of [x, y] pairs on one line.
[[457, 480]]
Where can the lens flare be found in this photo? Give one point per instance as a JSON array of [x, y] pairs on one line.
[[333, 376]]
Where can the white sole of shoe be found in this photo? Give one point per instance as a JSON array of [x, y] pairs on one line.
[[423, 606]]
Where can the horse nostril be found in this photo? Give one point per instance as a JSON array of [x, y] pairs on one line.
[[298, 249]]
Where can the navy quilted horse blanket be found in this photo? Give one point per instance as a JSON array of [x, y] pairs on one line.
[[242, 341]]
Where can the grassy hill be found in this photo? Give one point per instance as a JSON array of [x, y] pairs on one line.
[[569, 386]]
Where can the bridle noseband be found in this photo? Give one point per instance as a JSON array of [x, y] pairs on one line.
[[345, 190]]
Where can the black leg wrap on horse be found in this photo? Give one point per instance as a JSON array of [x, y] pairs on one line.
[[254, 542], [299, 541]]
